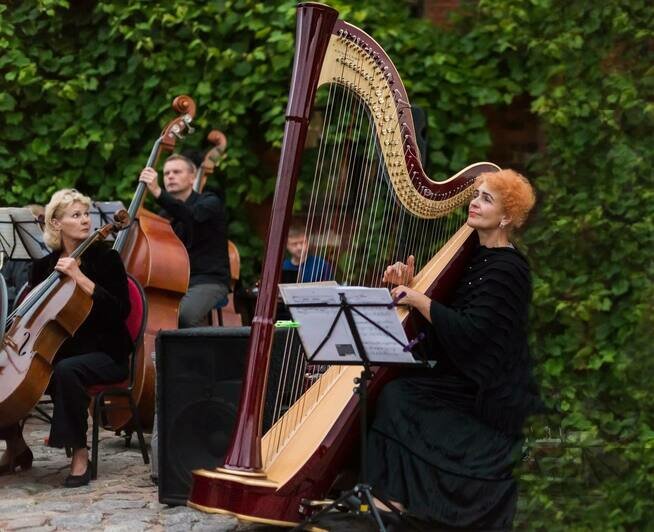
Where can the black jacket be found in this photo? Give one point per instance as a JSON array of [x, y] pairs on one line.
[[200, 224], [104, 328], [482, 335]]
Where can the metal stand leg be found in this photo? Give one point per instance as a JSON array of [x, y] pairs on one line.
[[362, 492]]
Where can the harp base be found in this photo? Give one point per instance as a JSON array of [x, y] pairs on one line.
[[240, 517]]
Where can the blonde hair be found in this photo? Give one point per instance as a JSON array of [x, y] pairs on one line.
[[517, 194], [59, 202]]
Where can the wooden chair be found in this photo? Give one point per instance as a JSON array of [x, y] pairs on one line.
[[216, 315], [135, 322]]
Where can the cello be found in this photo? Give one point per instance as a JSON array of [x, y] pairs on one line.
[[154, 255], [370, 202], [50, 314]]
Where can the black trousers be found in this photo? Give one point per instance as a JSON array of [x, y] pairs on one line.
[[10, 432], [67, 387]]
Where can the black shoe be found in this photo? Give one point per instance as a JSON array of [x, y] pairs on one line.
[[23, 460], [76, 481]]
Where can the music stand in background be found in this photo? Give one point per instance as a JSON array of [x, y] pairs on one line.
[[102, 213], [344, 326], [21, 236]]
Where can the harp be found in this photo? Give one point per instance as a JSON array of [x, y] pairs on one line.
[[368, 203]]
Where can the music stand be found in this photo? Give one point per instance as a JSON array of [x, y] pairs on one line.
[[21, 236], [102, 213], [348, 341]]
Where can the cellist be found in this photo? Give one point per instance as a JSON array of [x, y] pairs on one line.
[[97, 353]]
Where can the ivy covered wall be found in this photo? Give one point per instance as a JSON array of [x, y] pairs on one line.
[[85, 87]]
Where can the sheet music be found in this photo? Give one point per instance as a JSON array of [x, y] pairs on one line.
[[102, 213], [315, 322], [21, 236]]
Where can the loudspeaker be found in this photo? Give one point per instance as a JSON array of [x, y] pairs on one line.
[[199, 375], [420, 122]]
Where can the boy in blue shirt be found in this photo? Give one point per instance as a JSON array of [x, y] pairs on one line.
[[301, 267]]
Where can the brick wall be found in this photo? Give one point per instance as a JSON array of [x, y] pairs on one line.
[[438, 10], [515, 133]]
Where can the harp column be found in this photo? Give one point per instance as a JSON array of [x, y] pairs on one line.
[[314, 27]]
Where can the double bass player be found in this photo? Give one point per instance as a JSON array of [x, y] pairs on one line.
[[199, 221]]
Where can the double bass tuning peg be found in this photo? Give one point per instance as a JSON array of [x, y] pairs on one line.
[[179, 132], [187, 121]]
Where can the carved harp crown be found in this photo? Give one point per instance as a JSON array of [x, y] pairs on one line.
[[366, 204]]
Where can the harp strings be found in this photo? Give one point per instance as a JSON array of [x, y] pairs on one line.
[[353, 220]]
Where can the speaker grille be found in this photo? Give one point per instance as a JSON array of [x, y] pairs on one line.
[[199, 375]]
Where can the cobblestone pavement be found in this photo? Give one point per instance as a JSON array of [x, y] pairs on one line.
[[123, 497]]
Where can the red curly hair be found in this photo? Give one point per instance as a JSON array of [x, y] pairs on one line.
[[515, 191]]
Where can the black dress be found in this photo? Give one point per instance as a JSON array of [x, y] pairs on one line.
[[444, 442]]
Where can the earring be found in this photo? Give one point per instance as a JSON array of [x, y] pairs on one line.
[[502, 225]]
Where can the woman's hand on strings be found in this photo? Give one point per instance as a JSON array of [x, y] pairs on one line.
[[400, 273], [413, 298], [69, 266]]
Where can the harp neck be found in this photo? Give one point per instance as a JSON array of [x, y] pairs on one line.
[[315, 23]]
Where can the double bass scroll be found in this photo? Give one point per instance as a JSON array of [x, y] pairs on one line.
[[211, 158]]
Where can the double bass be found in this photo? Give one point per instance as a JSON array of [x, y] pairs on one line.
[[367, 203], [51, 313], [157, 258], [211, 158]]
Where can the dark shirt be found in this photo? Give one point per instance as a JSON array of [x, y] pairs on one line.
[[200, 223], [482, 337], [104, 328]]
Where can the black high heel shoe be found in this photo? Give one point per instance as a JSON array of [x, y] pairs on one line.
[[22, 460], [77, 481]]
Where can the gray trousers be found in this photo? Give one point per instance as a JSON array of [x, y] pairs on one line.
[[198, 302]]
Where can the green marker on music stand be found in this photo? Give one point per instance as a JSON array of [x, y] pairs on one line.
[[287, 324]]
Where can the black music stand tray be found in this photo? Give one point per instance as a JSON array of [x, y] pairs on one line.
[[359, 499]]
